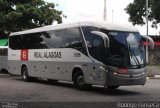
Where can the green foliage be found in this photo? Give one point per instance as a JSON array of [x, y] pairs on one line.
[[17, 15], [137, 12]]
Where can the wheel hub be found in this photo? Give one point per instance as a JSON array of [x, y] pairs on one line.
[[80, 80]]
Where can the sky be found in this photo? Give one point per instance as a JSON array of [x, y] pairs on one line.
[[92, 10]]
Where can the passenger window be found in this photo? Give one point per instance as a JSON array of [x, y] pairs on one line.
[[88, 35], [44, 40], [94, 43], [74, 39], [33, 41], [97, 48], [56, 39], [15, 42]]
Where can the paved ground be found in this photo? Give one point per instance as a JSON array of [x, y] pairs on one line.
[[13, 89], [153, 70]]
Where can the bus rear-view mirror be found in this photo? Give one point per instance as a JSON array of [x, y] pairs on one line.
[[104, 36], [150, 40]]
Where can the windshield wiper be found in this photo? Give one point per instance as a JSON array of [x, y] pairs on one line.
[[134, 56], [139, 65]]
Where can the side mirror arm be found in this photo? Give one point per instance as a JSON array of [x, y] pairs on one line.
[[150, 40], [104, 36]]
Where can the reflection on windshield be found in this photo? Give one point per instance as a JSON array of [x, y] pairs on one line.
[[134, 41], [126, 49]]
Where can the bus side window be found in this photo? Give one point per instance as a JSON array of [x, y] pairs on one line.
[[55, 39], [94, 43], [97, 48], [74, 39], [15, 42]]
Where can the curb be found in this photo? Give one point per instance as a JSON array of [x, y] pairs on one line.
[[155, 77]]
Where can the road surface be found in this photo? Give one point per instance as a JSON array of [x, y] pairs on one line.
[[13, 89]]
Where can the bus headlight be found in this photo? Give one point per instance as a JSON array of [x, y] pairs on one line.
[[102, 68]]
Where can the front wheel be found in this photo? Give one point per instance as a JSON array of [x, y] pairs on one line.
[[25, 76], [78, 80]]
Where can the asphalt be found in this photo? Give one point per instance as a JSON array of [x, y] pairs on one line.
[[41, 94]]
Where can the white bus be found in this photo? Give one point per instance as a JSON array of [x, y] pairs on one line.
[[87, 53], [3, 55]]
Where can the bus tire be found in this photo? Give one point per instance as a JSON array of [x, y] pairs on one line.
[[112, 87], [25, 76], [78, 81]]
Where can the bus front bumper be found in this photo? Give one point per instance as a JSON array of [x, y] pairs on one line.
[[120, 79]]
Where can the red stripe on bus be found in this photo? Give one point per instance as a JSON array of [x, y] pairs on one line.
[[155, 43]]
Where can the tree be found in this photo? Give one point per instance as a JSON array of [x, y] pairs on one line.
[[137, 12], [17, 15]]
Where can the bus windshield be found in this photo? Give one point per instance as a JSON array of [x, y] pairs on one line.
[[126, 49]]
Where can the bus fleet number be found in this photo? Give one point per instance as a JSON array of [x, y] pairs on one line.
[[77, 54]]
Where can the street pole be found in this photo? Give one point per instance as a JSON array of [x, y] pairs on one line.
[[105, 10], [112, 16], [147, 30]]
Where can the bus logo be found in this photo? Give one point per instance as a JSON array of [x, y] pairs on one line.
[[24, 54]]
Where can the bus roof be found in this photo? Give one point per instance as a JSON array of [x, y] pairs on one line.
[[105, 25]]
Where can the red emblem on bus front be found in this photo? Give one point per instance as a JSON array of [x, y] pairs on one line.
[[24, 54]]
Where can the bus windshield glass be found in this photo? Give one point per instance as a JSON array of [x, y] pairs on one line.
[[126, 49]]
